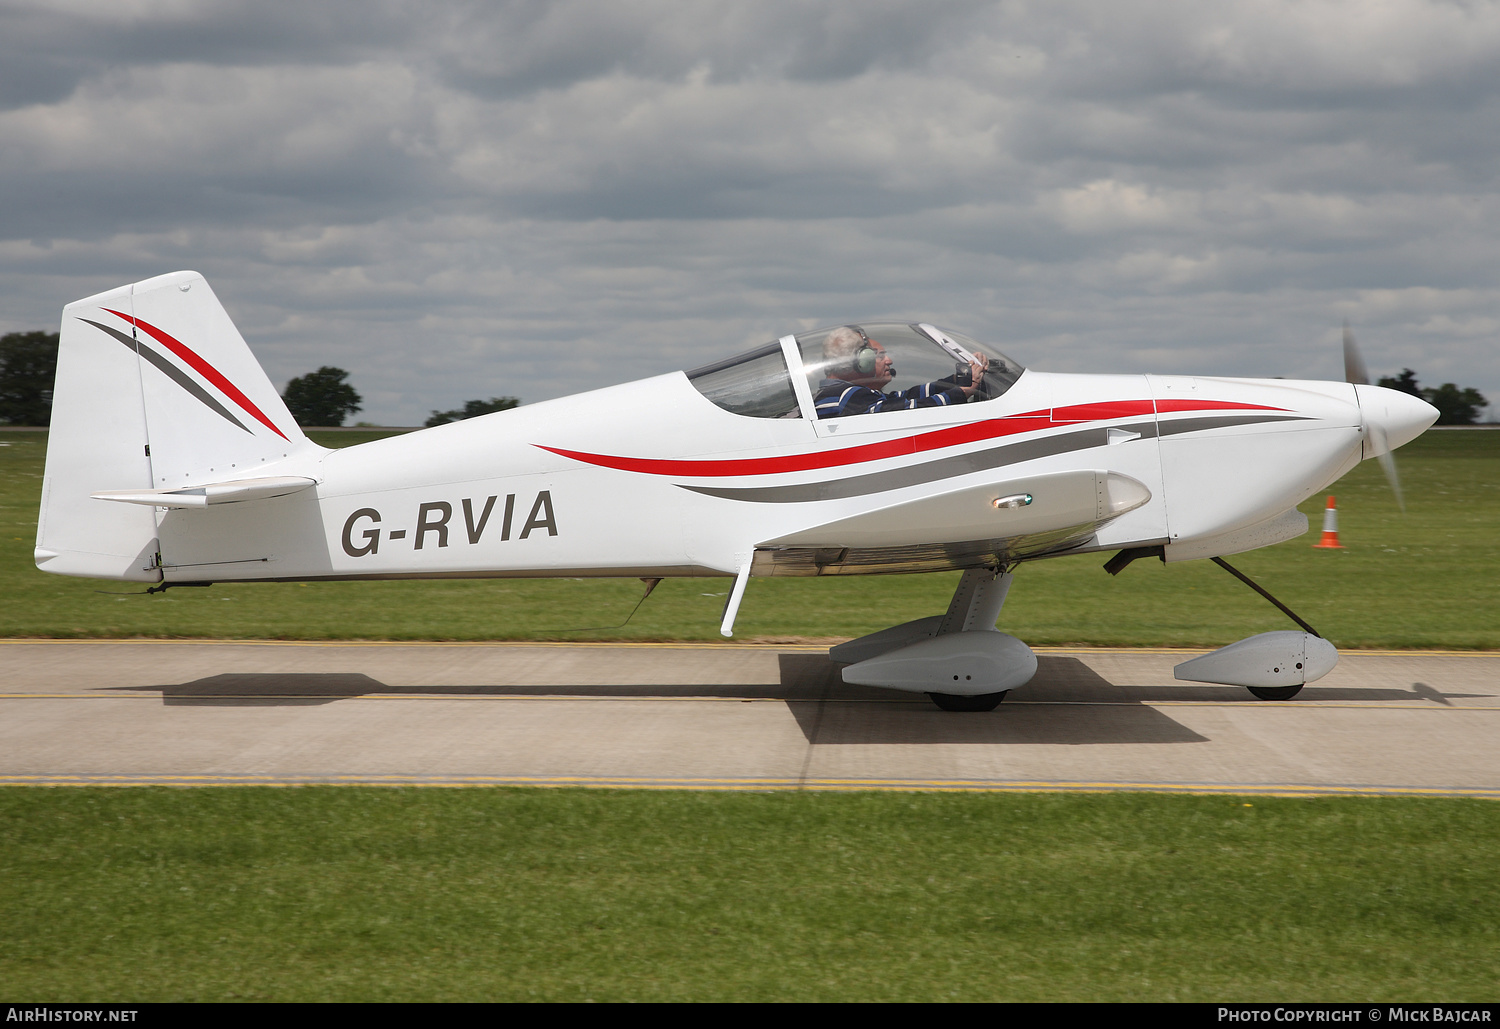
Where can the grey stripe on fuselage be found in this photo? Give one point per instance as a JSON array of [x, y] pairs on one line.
[[172, 372], [964, 464]]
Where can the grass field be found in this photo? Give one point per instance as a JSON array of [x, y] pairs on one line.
[[1426, 579], [346, 893], [371, 894]]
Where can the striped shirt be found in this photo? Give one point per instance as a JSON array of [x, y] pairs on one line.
[[837, 398]]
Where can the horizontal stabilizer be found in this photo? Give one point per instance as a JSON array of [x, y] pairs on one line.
[[235, 492]]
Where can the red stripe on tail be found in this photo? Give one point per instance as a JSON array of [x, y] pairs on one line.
[[204, 369]]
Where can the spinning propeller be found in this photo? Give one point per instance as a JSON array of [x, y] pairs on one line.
[[1390, 417], [1355, 372]]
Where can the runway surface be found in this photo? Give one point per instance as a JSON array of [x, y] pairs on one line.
[[724, 716]]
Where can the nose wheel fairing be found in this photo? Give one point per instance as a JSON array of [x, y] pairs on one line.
[[1273, 665]]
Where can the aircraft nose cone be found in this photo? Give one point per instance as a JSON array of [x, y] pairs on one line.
[[1397, 417]]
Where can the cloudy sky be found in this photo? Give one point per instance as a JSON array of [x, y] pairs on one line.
[[459, 200]]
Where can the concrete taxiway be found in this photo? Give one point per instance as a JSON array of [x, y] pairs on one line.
[[725, 716]]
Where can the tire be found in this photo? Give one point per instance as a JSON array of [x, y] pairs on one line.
[[956, 702], [1275, 692]]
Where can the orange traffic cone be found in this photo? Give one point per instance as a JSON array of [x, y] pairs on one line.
[[1330, 540]]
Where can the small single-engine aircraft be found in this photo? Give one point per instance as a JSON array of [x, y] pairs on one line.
[[854, 450]]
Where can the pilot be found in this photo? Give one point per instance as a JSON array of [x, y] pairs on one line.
[[858, 370]]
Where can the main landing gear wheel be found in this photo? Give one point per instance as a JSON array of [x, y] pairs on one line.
[[1275, 692], [955, 702]]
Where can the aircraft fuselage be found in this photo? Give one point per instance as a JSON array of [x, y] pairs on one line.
[[649, 478]]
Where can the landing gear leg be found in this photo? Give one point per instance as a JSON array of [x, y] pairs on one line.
[[975, 607], [1261, 590], [1269, 692], [958, 658], [1271, 665]]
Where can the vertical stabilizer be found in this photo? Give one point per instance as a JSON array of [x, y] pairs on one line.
[[210, 410], [155, 389]]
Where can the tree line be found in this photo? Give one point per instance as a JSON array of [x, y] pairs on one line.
[[1455, 406], [28, 369], [324, 397]]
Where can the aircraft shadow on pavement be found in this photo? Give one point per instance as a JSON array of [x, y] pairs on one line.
[[810, 684], [303, 688], [838, 718], [1066, 703], [261, 688]]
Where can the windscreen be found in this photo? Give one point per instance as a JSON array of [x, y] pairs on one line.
[[1000, 373], [755, 384]]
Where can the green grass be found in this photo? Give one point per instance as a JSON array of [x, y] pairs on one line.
[[348, 893], [1426, 579]]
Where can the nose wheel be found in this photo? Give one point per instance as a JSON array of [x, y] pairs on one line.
[[982, 702], [1275, 692]]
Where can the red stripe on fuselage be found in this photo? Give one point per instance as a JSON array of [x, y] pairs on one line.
[[956, 435], [204, 369]]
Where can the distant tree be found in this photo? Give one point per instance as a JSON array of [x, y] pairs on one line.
[[321, 397], [1406, 382], [28, 368], [1455, 406], [473, 409]]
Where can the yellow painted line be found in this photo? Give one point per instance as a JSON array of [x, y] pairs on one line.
[[1349, 652], [1416, 704], [1373, 705], [708, 645], [761, 784], [558, 697], [492, 644]]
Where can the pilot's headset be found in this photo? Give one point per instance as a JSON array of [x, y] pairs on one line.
[[866, 356]]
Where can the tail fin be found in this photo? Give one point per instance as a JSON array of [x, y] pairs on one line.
[[155, 389]]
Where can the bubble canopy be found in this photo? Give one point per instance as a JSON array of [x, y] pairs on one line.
[[758, 383]]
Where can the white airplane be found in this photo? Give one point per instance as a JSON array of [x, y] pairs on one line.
[[172, 460]]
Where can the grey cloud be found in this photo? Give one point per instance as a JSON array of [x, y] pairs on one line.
[[191, 144], [532, 198], [49, 50], [548, 44], [1249, 54]]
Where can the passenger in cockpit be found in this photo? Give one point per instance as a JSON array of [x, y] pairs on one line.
[[859, 369]]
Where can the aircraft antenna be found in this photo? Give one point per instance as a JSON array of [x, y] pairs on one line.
[[651, 584]]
